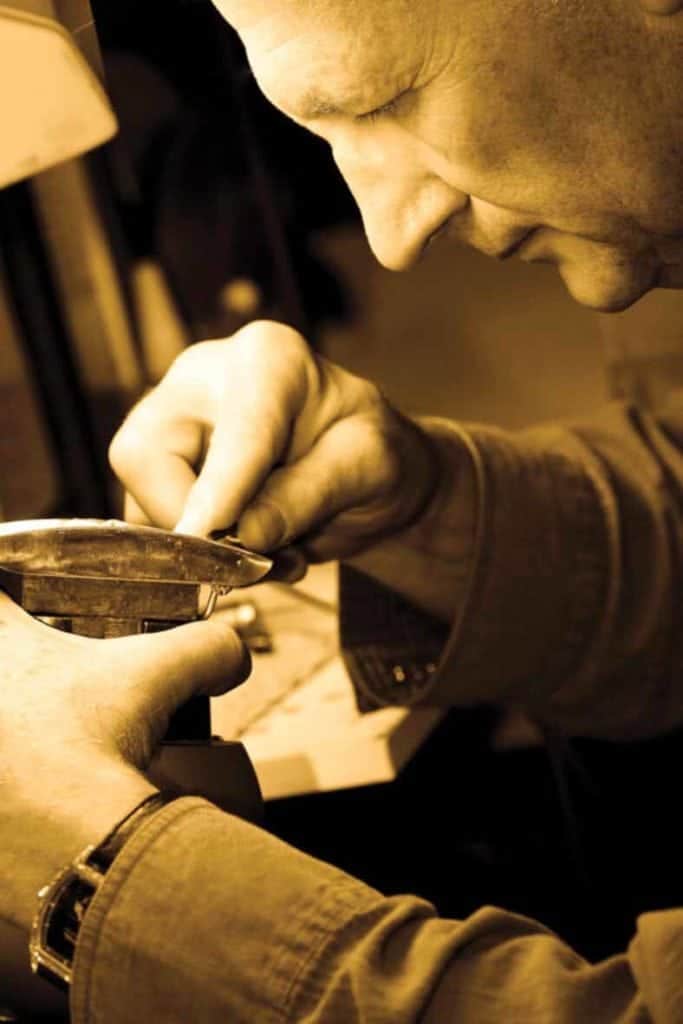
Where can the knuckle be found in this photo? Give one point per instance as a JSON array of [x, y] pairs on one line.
[[371, 392], [388, 467], [193, 356], [268, 333], [200, 369], [124, 449], [270, 344], [278, 354], [367, 395], [382, 456], [346, 395], [128, 447]]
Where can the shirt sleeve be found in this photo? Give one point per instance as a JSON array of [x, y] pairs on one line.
[[573, 613], [205, 918]]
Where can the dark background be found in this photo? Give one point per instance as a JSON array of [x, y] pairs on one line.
[[218, 170]]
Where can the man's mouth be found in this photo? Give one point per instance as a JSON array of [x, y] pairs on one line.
[[513, 247], [606, 278]]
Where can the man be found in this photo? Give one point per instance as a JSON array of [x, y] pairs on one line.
[[552, 130]]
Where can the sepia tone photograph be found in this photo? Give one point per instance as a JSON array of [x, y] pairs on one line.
[[341, 511]]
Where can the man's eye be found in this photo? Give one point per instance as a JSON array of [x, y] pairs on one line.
[[383, 111]]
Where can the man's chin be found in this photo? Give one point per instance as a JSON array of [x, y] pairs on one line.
[[615, 304], [608, 293]]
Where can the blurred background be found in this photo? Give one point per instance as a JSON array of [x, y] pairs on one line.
[[207, 210]]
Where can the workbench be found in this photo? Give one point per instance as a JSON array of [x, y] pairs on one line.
[[297, 714]]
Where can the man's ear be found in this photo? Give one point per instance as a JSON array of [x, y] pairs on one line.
[[662, 7]]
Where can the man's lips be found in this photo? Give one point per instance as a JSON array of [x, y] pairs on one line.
[[621, 285], [514, 246], [502, 249], [603, 276]]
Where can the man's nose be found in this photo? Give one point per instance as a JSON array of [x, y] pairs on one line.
[[402, 203]]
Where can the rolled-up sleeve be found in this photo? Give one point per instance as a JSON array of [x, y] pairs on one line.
[[206, 919]]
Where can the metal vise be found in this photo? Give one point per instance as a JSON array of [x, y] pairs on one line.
[[105, 578]]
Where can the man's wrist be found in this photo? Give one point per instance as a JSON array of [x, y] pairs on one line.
[[64, 901], [430, 561], [53, 825]]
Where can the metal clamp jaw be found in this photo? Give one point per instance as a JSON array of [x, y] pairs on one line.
[[105, 578]]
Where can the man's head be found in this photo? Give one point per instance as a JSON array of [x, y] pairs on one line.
[[553, 128]]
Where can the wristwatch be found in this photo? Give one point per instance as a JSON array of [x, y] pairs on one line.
[[65, 900]]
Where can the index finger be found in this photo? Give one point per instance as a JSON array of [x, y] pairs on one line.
[[197, 448], [264, 391], [247, 443], [154, 454]]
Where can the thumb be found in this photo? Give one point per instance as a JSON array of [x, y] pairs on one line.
[[204, 658], [349, 467]]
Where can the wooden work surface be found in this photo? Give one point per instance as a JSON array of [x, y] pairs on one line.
[[297, 713]]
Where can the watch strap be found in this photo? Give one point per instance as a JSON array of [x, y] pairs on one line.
[[63, 902]]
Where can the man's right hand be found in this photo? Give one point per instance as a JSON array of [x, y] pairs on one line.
[[257, 431]]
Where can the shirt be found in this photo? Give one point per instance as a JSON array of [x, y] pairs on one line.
[[573, 614]]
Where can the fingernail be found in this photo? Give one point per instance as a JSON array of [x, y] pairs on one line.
[[262, 527]]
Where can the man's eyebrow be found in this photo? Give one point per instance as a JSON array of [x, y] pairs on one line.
[[315, 102]]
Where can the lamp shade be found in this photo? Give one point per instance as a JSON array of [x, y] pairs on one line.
[[52, 105]]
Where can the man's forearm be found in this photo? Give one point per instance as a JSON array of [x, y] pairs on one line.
[[204, 917]]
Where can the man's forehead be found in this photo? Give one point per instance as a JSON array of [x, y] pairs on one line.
[[314, 56]]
